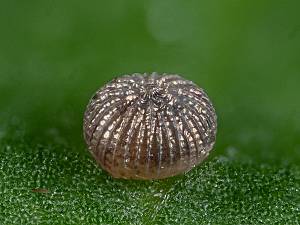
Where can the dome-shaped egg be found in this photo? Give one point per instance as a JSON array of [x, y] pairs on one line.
[[149, 126]]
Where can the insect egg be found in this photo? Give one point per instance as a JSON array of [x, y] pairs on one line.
[[149, 126]]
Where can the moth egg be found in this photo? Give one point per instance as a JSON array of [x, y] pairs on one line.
[[149, 126]]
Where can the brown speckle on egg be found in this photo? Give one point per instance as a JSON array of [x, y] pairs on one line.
[[149, 126]]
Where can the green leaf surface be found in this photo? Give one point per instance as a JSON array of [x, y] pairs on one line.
[[55, 54], [44, 184]]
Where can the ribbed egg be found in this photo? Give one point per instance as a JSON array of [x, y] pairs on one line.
[[149, 126]]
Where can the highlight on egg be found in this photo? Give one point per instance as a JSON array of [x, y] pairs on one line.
[[149, 126]]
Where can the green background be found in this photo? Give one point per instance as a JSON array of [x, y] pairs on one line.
[[55, 54]]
